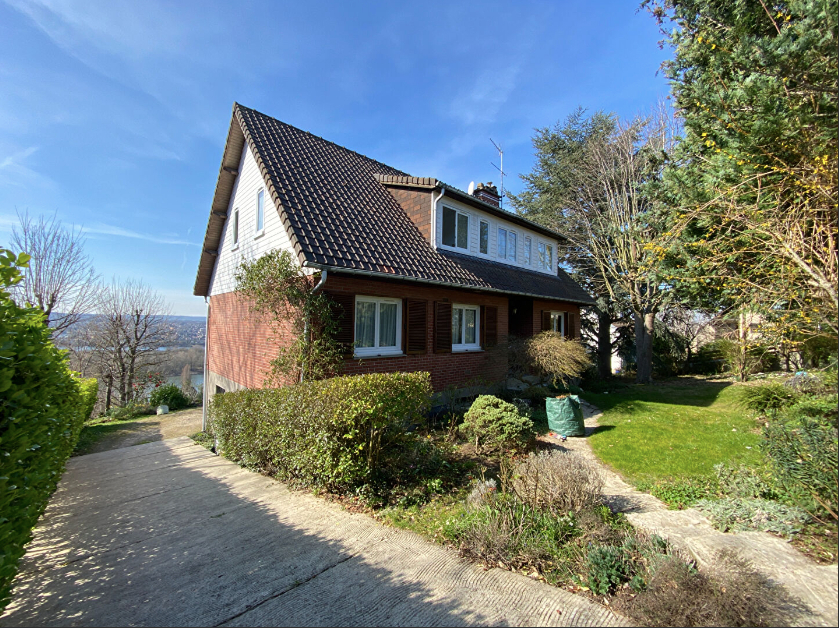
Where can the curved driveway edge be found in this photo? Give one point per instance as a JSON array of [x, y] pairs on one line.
[[168, 534]]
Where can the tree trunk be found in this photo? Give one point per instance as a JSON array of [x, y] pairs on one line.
[[604, 345], [644, 329], [741, 336], [110, 379]]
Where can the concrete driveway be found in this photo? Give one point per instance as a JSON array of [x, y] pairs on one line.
[[168, 534]]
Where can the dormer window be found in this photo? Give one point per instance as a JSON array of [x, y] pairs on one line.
[[484, 237], [455, 228], [546, 256], [527, 246]]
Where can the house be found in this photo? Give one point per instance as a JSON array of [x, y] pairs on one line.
[[430, 277]]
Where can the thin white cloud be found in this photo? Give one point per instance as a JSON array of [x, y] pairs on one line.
[[482, 101], [13, 171], [120, 232]]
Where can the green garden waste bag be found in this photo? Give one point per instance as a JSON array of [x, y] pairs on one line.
[[565, 417]]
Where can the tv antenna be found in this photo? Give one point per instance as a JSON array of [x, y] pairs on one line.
[[500, 170]]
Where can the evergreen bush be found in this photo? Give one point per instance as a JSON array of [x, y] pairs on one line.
[[42, 410], [169, 395], [494, 423], [331, 434]]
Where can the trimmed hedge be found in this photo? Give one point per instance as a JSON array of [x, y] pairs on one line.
[[328, 434], [42, 410]]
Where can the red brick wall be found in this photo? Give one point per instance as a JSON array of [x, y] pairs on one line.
[[447, 369], [417, 204], [560, 306], [240, 344]]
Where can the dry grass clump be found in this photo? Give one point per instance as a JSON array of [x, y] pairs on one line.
[[558, 481], [733, 593]]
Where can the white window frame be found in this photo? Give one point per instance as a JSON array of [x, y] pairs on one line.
[[481, 223], [512, 251], [528, 250], [549, 266], [375, 351], [498, 242], [457, 212], [234, 226], [475, 346], [259, 231], [558, 317]]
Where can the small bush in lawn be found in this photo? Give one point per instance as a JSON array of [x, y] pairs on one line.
[[767, 398], [731, 594], [493, 423], [558, 481], [804, 463], [338, 434], [169, 395], [735, 514]]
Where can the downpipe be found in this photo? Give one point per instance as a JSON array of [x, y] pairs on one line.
[[306, 322]]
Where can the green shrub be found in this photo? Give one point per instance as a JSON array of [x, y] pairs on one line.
[[493, 423], [168, 395], [767, 398], [745, 482], [632, 562], [708, 360], [330, 433], [804, 462], [43, 411], [90, 393], [822, 409], [733, 514]]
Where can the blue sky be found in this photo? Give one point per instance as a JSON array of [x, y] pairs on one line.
[[113, 114]]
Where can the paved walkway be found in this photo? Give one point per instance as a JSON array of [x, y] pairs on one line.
[[168, 534], [815, 585], [149, 430]]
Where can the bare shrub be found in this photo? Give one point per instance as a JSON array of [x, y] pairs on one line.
[[552, 355], [730, 594], [482, 494], [558, 481]]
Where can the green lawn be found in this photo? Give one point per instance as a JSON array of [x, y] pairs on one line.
[[673, 429]]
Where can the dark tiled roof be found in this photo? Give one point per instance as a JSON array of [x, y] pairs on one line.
[[340, 216]]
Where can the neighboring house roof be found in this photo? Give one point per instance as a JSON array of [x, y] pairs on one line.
[[340, 216]]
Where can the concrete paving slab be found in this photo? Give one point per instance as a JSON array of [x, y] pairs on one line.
[[168, 534]]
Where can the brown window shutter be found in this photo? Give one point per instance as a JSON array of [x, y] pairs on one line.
[[416, 326], [573, 326], [546, 320], [489, 325], [344, 313], [442, 327]]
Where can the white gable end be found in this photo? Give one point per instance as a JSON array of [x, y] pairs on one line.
[[251, 244]]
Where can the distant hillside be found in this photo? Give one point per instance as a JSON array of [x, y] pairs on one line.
[[187, 331]]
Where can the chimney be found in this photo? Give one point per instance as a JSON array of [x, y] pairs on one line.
[[487, 193]]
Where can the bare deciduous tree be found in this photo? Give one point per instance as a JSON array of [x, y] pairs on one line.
[[60, 280], [129, 332]]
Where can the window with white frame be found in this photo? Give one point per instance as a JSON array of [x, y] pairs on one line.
[[502, 243], [260, 211], [455, 228], [511, 245], [484, 237], [527, 246], [235, 227], [558, 322], [378, 326], [465, 327], [546, 253]]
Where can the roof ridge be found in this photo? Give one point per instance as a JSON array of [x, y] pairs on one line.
[[322, 139]]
